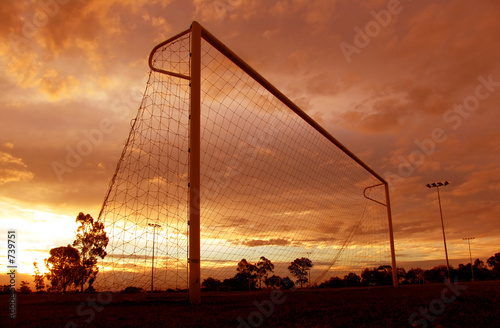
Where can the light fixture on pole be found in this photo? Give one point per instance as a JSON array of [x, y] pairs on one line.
[[437, 185], [470, 256], [153, 260]]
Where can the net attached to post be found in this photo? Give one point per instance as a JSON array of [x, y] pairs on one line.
[[272, 185]]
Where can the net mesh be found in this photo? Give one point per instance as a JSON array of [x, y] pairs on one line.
[[271, 185]]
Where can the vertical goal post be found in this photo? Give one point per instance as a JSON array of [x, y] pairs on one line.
[[194, 168]]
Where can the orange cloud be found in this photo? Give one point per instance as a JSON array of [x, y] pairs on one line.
[[261, 242], [486, 178], [13, 169]]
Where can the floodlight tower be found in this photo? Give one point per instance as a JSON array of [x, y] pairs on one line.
[[437, 185], [154, 225], [470, 256]]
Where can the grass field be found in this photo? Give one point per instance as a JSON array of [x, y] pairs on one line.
[[474, 304]]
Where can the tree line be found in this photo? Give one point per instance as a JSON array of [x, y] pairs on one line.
[[382, 275], [253, 276]]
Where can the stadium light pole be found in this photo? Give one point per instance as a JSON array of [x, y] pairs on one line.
[[154, 225], [470, 256], [437, 185]]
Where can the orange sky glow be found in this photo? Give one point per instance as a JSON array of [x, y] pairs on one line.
[[411, 87]]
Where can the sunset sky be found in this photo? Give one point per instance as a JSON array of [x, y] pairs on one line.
[[411, 87]]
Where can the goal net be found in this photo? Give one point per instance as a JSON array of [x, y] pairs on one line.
[[272, 182]]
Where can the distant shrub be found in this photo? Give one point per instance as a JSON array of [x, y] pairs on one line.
[[287, 283], [132, 289], [90, 290], [211, 284], [25, 289]]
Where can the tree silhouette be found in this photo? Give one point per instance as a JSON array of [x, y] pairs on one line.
[[211, 284], [299, 268], [479, 264], [438, 273], [273, 281], [415, 276], [287, 283], [481, 272], [91, 241], [377, 276], [494, 263], [39, 278], [64, 267], [264, 267], [25, 289], [246, 272], [333, 282], [401, 275], [352, 280]]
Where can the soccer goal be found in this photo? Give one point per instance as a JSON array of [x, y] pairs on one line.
[[220, 166]]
